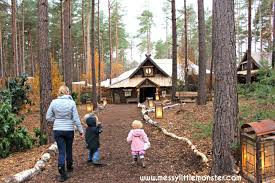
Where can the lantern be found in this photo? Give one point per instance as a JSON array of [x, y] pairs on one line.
[[258, 151], [89, 107], [157, 96], [158, 110], [104, 101], [150, 102]]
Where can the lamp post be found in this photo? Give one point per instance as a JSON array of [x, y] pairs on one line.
[[89, 107], [157, 96], [158, 110], [258, 151], [150, 102]]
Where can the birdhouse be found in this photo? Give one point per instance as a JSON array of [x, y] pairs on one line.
[[158, 110], [150, 102], [258, 151], [89, 107]]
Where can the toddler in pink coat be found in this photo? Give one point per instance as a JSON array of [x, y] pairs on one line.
[[138, 138]]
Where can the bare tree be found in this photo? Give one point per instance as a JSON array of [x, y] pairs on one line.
[[202, 55], [99, 51], [248, 75], [110, 40], [93, 55], [14, 38], [174, 48], [1, 53], [273, 32], [225, 129], [67, 57], [23, 39], [185, 48], [84, 62], [45, 65]]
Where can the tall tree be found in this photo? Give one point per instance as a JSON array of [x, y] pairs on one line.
[[174, 50], [67, 58], [14, 38], [225, 129], [110, 40], [23, 39], [273, 49], [145, 22], [45, 65], [93, 55], [99, 50], [202, 55], [248, 75], [185, 48], [83, 37], [1, 53]]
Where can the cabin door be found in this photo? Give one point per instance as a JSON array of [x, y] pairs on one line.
[[147, 92]]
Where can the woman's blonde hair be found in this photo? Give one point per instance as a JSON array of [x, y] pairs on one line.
[[63, 90], [136, 124]]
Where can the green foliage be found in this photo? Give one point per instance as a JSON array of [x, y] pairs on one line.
[[84, 97], [161, 49], [74, 96], [12, 136], [41, 138], [264, 114], [263, 90], [16, 93], [204, 130]]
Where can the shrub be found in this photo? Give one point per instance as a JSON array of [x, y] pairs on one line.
[[84, 97], [41, 138], [16, 93], [12, 136], [204, 130], [74, 96]]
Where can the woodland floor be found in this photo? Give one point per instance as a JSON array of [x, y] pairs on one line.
[[165, 157]]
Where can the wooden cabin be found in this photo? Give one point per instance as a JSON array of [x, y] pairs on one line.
[[259, 60], [142, 82]]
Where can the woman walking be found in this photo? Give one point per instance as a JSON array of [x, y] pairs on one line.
[[63, 112]]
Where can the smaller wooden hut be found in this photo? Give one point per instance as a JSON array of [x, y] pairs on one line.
[[259, 60]]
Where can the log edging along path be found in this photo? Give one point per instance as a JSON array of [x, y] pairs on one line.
[[145, 111], [39, 165]]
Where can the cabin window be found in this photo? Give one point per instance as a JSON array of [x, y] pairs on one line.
[[148, 71], [127, 92], [163, 93]]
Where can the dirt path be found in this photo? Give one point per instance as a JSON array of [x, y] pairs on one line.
[[165, 157]]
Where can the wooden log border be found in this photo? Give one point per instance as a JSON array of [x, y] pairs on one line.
[[40, 164], [38, 167], [145, 111]]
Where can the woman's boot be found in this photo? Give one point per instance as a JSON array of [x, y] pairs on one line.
[[70, 167], [63, 176]]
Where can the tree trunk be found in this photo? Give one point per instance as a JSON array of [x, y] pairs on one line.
[[31, 54], [99, 51], [202, 55], [273, 32], [1, 53], [110, 40], [248, 76], [45, 65], [225, 129], [23, 39], [174, 38], [14, 37], [93, 55], [185, 49], [67, 58], [62, 64], [117, 57], [84, 62], [19, 49]]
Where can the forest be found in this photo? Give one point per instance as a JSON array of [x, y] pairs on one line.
[[199, 75]]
